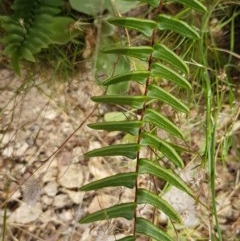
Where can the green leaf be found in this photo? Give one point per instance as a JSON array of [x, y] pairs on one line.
[[163, 53], [125, 210], [170, 23], [194, 4], [157, 92], [35, 43], [12, 38], [13, 28], [121, 6], [144, 196], [130, 127], [121, 179], [41, 27], [116, 116], [159, 70], [41, 36], [12, 48], [128, 238], [162, 122], [127, 150], [134, 101], [27, 54], [139, 76], [55, 3], [44, 18], [142, 52], [153, 3], [33, 46], [147, 228], [47, 10], [15, 61], [163, 147], [144, 26], [93, 7], [146, 166], [88, 7], [61, 33]]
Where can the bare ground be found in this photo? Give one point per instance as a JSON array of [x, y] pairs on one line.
[[39, 191]]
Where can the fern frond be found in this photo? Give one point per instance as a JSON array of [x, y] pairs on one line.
[[28, 29], [162, 63]]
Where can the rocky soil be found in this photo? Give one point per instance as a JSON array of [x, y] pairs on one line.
[[42, 168]]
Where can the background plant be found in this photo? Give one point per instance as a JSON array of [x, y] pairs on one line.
[[55, 31]]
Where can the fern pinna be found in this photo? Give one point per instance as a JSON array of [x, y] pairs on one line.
[[29, 29], [163, 63]]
